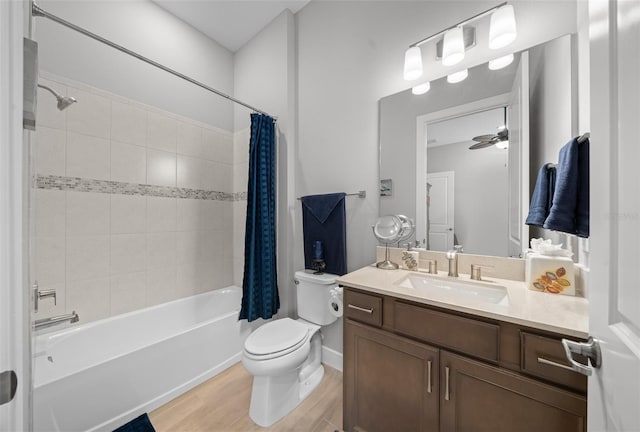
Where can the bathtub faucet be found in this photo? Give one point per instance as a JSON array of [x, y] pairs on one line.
[[48, 322]]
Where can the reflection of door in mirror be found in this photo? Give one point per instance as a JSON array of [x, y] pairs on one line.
[[440, 210], [479, 223]]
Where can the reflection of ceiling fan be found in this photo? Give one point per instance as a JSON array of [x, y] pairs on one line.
[[489, 140], [502, 137]]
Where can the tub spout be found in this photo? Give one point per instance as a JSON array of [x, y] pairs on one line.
[[51, 321]]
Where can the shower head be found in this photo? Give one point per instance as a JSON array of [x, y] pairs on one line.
[[63, 101]]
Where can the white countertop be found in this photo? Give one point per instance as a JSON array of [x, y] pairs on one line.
[[562, 314]]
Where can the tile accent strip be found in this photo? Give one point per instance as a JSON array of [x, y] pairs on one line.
[[77, 184]]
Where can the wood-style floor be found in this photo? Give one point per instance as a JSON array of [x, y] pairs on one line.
[[222, 405]]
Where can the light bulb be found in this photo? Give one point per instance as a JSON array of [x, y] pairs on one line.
[[421, 88], [412, 64], [502, 144], [456, 77], [453, 47], [502, 30], [501, 62]]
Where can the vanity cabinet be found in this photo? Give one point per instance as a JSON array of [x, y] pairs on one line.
[[412, 367]]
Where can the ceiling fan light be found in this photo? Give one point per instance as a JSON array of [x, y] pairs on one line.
[[421, 88], [503, 144], [457, 77], [502, 30], [501, 62], [412, 63], [453, 47]]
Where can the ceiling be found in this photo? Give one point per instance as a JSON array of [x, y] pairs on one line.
[[231, 23], [462, 129]]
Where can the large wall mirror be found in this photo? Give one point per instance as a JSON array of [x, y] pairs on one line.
[[478, 198]]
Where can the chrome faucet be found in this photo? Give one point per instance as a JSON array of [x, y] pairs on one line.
[[48, 322], [452, 256]]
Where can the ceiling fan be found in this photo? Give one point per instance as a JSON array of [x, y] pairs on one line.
[[489, 140], [499, 139]]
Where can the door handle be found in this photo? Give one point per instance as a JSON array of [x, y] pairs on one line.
[[8, 386], [589, 349], [429, 376]]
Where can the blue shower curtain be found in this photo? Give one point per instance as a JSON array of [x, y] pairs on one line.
[[259, 286]]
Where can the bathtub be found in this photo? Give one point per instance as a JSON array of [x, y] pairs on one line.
[[100, 375]]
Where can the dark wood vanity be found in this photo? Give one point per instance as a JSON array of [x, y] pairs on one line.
[[415, 367]]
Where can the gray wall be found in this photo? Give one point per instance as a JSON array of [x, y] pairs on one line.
[[480, 195]]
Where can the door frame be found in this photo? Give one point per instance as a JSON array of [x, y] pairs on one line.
[[422, 124], [15, 348]]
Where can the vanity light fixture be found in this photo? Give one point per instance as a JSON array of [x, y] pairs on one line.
[[502, 30], [501, 62], [457, 77], [412, 63], [458, 38], [421, 88]]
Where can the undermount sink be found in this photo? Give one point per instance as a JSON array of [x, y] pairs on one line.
[[454, 289]]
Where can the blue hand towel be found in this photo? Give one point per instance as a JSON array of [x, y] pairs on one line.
[[324, 219], [542, 195], [570, 209]]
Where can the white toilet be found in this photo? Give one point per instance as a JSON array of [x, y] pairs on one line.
[[284, 356]]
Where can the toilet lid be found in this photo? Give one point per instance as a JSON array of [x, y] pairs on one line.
[[276, 336]]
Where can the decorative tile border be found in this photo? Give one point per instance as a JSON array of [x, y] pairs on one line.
[[77, 184]]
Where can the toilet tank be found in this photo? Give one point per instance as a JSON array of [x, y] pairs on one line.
[[314, 296]]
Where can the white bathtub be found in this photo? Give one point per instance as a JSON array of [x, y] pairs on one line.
[[99, 375]]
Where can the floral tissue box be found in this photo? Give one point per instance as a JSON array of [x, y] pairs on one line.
[[410, 260]]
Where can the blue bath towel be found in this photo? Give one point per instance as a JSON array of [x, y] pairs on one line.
[[570, 209], [324, 219], [138, 424], [542, 195]]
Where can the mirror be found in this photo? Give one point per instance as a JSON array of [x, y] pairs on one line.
[[478, 198]]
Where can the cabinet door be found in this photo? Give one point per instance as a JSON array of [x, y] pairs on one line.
[[390, 383], [478, 397]]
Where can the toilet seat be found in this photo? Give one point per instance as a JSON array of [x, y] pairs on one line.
[[276, 339]]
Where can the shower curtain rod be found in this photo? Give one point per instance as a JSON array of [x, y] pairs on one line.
[[37, 11]]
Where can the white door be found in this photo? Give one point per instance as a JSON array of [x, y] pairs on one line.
[[15, 382], [518, 167], [440, 210], [614, 283]]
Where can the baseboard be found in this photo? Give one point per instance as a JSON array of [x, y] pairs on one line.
[[332, 358]]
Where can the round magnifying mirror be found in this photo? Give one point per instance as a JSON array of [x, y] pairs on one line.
[[387, 230]]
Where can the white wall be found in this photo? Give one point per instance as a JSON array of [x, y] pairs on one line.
[[106, 251], [265, 77], [144, 27]]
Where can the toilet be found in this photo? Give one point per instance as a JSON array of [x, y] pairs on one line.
[[284, 356]]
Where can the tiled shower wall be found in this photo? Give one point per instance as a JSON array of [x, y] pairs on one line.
[[132, 206]]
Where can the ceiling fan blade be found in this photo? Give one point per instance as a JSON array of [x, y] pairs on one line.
[[482, 144], [483, 137]]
